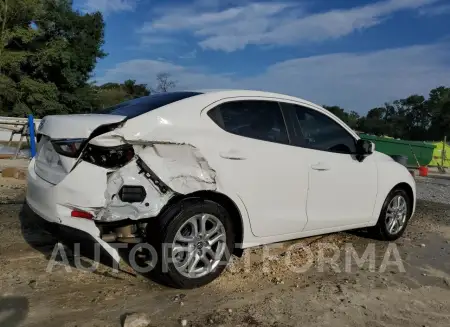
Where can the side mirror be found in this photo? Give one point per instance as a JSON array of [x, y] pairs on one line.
[[365, 147]]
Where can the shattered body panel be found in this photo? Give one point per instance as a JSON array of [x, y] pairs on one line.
[[162, 158], [175, 169], [179, 167], [131, 175]]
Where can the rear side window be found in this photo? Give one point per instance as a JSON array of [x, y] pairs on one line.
[[139, 106], [320, 132], [260, 120]]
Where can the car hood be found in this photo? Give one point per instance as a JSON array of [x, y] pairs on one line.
[[75, 126]]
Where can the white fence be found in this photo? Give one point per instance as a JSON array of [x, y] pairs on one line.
[[15, 125]]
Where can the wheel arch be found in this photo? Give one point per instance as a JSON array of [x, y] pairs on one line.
[[228, 204], [386, 186], [380, 230], [409, 190], [232, 210]]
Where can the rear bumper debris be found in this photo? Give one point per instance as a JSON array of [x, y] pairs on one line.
[[161, 170]]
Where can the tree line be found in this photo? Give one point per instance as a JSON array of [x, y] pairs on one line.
[[109, 94], [48, 52], [412, 118]]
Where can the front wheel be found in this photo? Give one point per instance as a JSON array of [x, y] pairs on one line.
[[394, 216], [194, 243]]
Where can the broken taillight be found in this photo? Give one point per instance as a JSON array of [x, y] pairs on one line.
[[81, 214], [108, 157], [69, 147]]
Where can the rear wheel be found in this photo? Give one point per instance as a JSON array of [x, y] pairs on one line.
[[394, 216], [193, 243]]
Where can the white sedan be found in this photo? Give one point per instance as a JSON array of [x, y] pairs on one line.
[[200, 175]]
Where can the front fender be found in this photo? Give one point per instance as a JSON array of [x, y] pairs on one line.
[[390, 175]]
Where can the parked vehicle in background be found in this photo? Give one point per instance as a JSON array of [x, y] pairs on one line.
[[210, 172]]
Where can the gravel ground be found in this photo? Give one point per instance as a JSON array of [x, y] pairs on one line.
[[433, 189], [251, 293]]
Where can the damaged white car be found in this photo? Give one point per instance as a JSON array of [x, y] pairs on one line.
[[210, 173]]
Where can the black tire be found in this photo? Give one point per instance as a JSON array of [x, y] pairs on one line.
[[162, 230], [380, 230]]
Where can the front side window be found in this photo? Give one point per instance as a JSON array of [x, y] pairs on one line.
[[260, 120], [320, 132]]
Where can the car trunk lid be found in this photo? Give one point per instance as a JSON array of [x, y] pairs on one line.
[[53, 166], [75, 126]]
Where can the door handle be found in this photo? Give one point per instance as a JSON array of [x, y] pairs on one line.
[[321, 166], [232, 155]]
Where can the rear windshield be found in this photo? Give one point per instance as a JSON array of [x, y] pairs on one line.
[[139, 106]]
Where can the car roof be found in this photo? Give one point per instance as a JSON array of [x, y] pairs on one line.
[[229, 93], [183, 110], [243, 92]]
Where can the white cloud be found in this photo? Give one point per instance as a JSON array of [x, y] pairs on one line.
[[155, 40], [356, 81], [190, 55], [435, 10], [271, 23], [145, 71], [185, 18], [109, 6], [218, 3], [167, 45]]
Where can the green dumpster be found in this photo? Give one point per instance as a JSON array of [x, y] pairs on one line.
[[390, 146]]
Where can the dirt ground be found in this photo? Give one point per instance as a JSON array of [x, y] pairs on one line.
[[251, 292]]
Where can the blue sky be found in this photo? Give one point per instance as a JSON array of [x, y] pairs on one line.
[[354, 53]]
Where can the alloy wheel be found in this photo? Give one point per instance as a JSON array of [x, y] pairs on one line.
[[199, 245], [396, 214]]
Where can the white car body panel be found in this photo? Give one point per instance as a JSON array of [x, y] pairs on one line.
[[274, 186], [390, 174], [236, 159], [82, 125], [54, 203], [347, 186]]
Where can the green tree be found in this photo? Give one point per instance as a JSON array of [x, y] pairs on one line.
[[48, 52], [411, 118], [110, 94], [353, 119], [337, 111], [134, 90], [438, 105], [108, 97]]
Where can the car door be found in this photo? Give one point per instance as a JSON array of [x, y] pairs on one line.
[[342, 189], [256, 162]]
